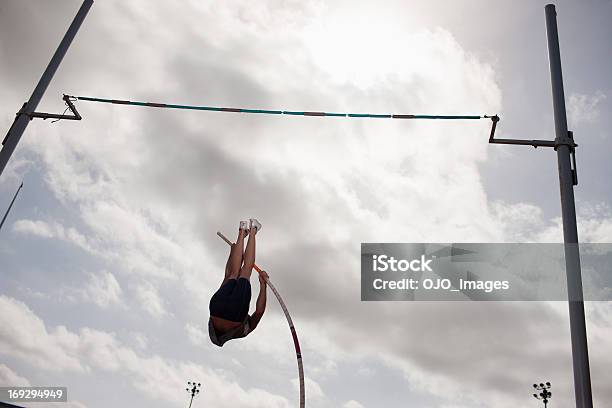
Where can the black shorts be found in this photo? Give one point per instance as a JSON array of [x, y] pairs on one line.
[[232, 300]]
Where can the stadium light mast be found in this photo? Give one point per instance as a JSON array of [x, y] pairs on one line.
[[544, 395], [26, 113], [194, 390]]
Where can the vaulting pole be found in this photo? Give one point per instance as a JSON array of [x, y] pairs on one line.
[[21, 121], [567, 178], [296, 342]]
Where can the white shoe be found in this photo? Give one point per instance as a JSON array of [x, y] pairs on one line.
[[244, 225], [255, 224]]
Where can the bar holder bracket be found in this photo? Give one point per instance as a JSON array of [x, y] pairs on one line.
[[70, 106], [565, 141]]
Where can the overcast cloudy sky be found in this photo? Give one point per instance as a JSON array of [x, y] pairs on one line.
[[110, 256]]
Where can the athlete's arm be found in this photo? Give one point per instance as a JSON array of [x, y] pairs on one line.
[[260, 305]]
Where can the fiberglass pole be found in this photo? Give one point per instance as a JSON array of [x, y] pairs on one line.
[[21, 122], [565, 145]]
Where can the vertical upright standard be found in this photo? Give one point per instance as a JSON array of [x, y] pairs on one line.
[[564, 144], [24, 115], [568, 177]]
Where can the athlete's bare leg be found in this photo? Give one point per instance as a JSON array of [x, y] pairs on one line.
[[249, 256], [232, 268]]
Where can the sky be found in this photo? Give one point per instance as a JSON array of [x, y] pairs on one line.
[[109, 256]]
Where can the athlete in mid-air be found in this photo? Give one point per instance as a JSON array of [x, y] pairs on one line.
[[229, 306]]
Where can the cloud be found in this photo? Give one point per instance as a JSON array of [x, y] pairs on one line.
[[53, 230], [37, 228], [584, 108], [314, 389], [8, 378], [139, 340], [15, 171], [23, 335], [518, 220], [103, 289], [150, 301], [352, 404], [594, 225], [26, 338], [523, 222], [74, 404], [162, 180], [150, 187], [197, 335]]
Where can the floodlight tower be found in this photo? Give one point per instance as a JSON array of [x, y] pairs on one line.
[[544, 395], [194, 390]]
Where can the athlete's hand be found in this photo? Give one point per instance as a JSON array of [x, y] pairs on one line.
[[262, 277]]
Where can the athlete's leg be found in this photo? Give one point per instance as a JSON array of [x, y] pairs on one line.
[[232, 268], [249, 256]]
